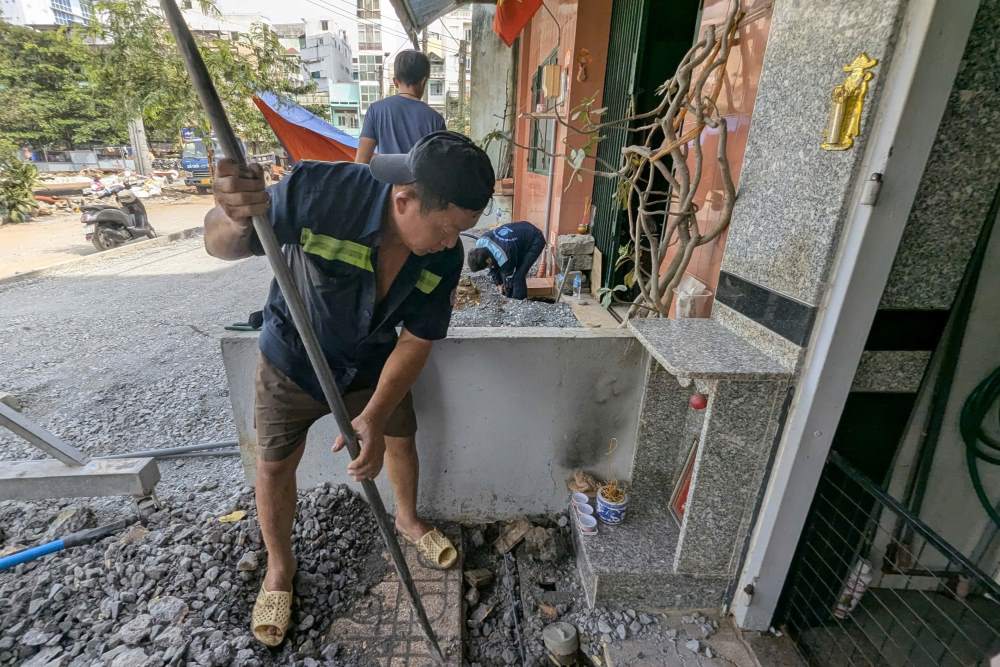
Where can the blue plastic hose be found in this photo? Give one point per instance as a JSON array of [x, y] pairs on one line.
[[66, 541], [31, 553]]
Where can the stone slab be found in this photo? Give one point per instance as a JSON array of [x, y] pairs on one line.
[[652, 653], [891, 371], [579, 262], [773, 345], [792, 204], [729, 471], [959, 179], [575, 244], [668, 428], [705, 349], [383, 628], [48, 478], [631, 564]]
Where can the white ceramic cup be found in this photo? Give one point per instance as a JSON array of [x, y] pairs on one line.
[[580, 499], [588, 524], [584, 509]]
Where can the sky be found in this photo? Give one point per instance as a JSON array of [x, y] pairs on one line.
[[340, 11]]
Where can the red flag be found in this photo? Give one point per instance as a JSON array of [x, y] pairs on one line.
[[512, 16]]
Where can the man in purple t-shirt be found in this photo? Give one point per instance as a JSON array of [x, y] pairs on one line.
[[397, 123]]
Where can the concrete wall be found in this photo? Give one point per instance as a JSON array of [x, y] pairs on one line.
[[505, 416], [491, 98], [583, 25]]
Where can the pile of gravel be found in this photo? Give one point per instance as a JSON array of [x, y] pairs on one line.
[[180, 590], [496, 310]]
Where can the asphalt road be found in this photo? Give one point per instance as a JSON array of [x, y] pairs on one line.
[[120, 353]]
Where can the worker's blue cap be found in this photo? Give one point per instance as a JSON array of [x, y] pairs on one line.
[[448, 164]]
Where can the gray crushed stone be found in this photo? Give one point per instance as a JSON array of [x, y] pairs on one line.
[[496, 310], [174, 592]]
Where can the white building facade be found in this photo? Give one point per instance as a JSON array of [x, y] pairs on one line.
[[46, 12]]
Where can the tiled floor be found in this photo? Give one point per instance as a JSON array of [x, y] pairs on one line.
[[384, 628]]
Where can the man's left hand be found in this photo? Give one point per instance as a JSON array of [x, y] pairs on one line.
[[372, 440]]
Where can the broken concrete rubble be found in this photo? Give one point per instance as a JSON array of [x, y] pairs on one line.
[[106, 613], [478, 578], [512, 535]]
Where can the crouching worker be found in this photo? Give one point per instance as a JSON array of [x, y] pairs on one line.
[[370, 248], [509, 251]]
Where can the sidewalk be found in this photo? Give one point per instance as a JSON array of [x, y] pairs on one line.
[[56, 239]]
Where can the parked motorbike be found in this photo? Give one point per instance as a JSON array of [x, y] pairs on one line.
[[110, 226]]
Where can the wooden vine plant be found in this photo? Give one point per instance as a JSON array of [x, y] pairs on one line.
[[659, 177]]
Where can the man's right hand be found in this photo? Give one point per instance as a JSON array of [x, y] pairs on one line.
[[239, 192]]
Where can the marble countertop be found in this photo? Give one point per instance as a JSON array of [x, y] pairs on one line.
[[705, 349]]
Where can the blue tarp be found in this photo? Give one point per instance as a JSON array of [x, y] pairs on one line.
[[296, 115]]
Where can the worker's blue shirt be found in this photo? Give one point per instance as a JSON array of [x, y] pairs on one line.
[[328, 217], [398, 122], [509, 245]]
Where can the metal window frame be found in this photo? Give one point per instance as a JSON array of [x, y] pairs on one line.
[[541, 132]]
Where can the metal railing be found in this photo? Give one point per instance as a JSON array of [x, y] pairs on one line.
[[857, 595]]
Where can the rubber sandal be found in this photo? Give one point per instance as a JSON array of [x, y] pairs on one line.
[[436, 550], [272, 609]]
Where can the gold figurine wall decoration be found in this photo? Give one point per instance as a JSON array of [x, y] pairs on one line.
[[848, 102]]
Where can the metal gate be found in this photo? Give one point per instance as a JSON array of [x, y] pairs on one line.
[[917, 601], [624, 46]]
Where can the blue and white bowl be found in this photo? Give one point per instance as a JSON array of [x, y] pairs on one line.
[[609, 512]]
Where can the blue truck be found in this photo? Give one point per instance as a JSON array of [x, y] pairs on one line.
[[194, 159]]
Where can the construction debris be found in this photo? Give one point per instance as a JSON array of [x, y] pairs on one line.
[[495, 310], [550, 591], [512, 535], [478, 578], [466, 294], [181, 593]]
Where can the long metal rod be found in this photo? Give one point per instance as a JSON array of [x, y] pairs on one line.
[[283, 275], [168, 451]]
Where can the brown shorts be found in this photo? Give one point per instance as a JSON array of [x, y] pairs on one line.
[[283, 412]]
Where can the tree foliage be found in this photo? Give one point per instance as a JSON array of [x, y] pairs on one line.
[[64, 88], [49, 95], [142, 69], [16, 181]]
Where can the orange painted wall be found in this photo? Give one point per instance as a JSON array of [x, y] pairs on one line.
[[584, 24], [736, 101]]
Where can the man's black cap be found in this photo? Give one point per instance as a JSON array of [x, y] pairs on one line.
[[448, 164]]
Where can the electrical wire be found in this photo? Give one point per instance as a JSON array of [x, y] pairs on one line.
[[980, 445], [327, 6]]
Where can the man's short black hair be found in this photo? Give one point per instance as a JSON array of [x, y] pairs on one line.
[[411, 67], [477, 259]]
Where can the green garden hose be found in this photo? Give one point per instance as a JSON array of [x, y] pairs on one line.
[[980, 445]]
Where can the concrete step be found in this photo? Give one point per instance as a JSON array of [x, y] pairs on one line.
[[632, 564]]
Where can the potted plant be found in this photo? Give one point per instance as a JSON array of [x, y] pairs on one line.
[[612, 500]]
